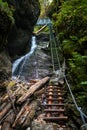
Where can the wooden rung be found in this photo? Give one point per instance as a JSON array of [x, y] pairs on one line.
[[55, 118], [54, 104], [54, 90], [54, 99], [51, 94], [54, 110], [59, 90], [49, 87], [51, 91], [53, 87], [59, 94], [60, 98]]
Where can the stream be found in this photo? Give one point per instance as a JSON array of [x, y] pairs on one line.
[[35, 64], [19, 66]]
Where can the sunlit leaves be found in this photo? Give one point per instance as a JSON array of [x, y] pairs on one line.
[[84, 83], [8, 10], [74, 38]]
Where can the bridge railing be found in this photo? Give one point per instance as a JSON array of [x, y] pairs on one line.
[[43, 21]]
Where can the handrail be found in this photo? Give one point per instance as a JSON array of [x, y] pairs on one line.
[[51, 47], [52, 38], [40, 29], [82, 114]]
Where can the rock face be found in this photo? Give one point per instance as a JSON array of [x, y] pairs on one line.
[[5, 61], [26, 15], [5, 66], [5, 24], [35, 66], [15, 39]]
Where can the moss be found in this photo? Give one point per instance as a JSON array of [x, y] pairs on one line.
[[4, 7]]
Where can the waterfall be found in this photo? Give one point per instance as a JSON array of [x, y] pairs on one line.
[[19, 64]]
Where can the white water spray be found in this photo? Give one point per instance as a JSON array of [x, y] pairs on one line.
[[19, 64]]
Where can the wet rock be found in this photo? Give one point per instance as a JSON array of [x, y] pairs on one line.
[[15, 38], [36, 66], [5, 24], [5, 66], [5, 69], [26, 15], [42, 37], [44, 126]]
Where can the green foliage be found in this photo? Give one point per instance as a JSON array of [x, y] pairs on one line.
[[70, 23], [84, 83], [68, 47], [37, 28], [44, 7], [71, 16], [8, 10], [83, 39], [77, 65]]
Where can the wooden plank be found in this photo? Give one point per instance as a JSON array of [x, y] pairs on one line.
[[33, 108], [8, 121], [19, 114], [5, 110], [32, 89]]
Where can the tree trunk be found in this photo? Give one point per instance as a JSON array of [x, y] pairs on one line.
[[5, 110], [19, 114], [32, 89], [8, 121], [33, 108]]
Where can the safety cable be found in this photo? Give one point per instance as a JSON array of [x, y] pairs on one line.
[[82, 114], [52, 56], [78, 108]]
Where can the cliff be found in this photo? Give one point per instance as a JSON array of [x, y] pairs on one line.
[[16, 25]]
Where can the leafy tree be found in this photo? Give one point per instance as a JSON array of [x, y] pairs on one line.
[[44, 7]]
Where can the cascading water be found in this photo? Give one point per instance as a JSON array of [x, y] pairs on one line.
[[21, 65]]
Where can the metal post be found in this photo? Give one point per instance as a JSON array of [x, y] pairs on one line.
[[84, 127], [30, 124]]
